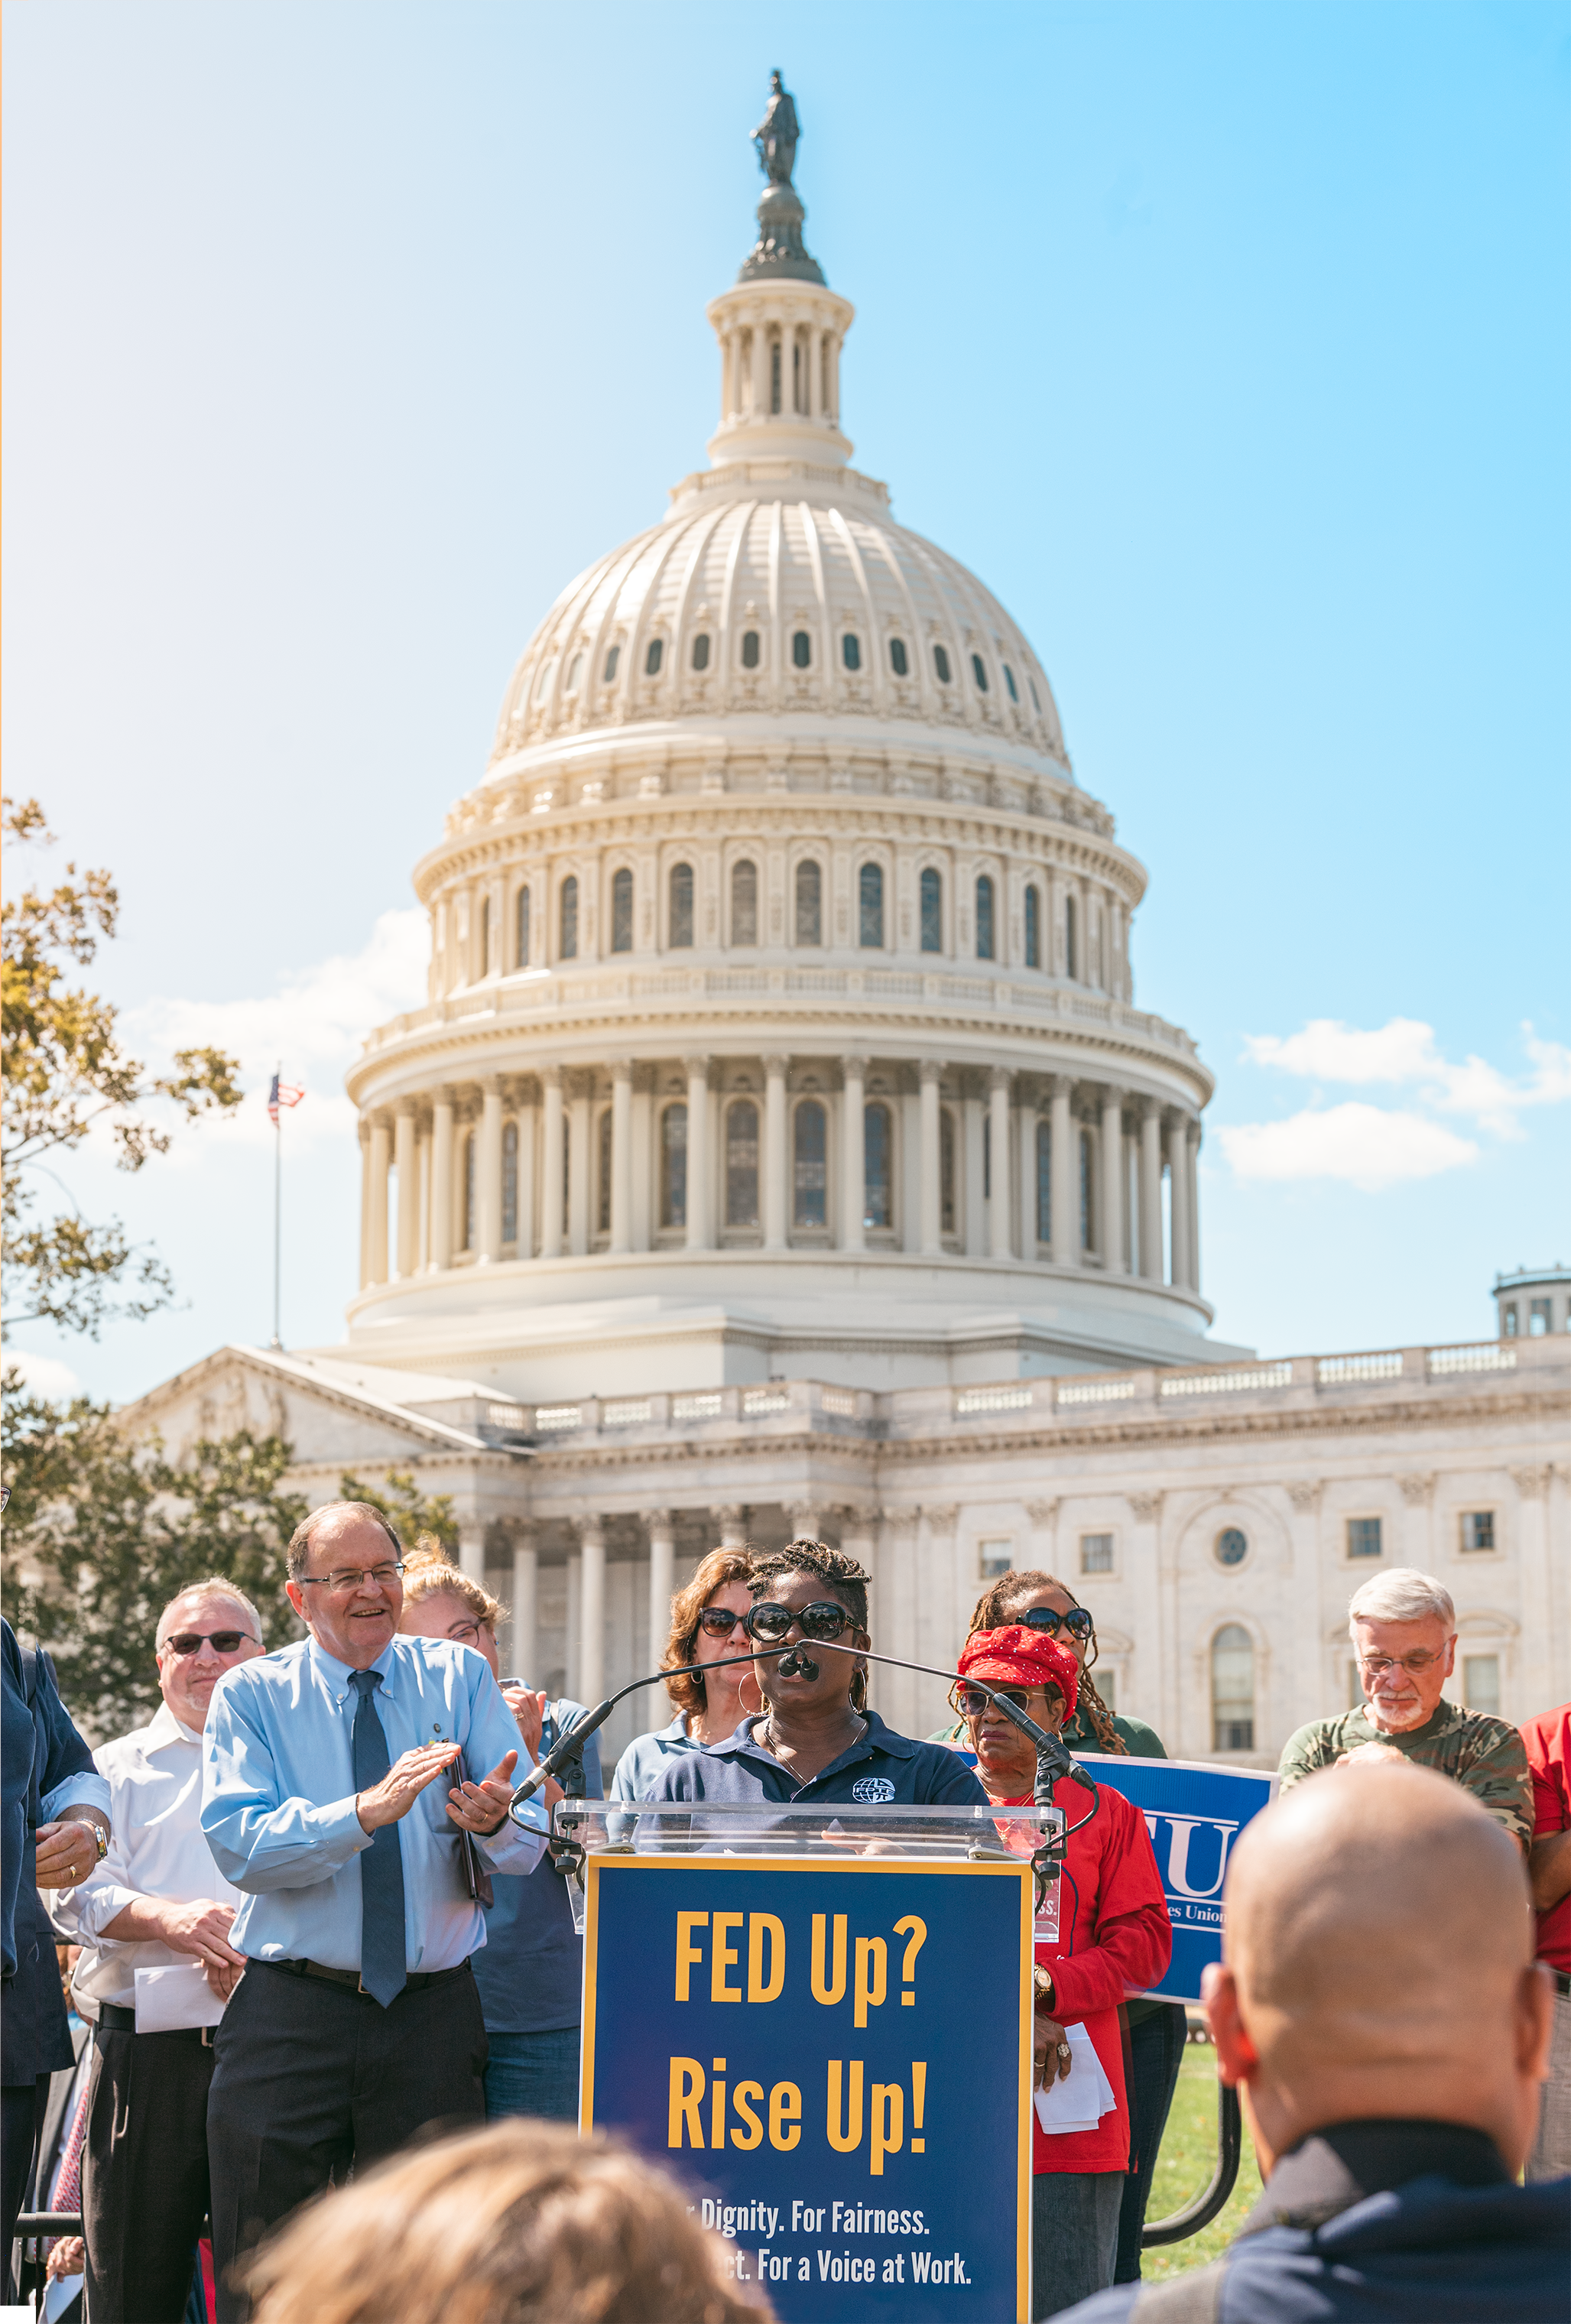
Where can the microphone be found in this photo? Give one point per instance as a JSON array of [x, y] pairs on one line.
[[569, 1745]]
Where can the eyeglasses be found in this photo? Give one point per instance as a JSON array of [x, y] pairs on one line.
[[823, 1619], [1414, 1664], [349, 1577], [719, 1621], [1079, 1621], [223, 1642], [971, 1702], [465, 1633]]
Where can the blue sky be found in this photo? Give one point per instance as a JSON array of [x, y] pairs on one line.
[[1228, 344]]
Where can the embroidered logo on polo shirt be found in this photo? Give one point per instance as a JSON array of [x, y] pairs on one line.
[[872, 1791]]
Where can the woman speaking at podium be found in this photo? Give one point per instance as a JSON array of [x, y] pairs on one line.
[[1114, 1940], [810, 1736]]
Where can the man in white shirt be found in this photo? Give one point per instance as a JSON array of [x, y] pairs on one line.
[[157, 1902]]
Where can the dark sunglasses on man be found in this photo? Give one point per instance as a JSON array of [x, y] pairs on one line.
[[1077, 1621], [223, 1642], [768, 1624]]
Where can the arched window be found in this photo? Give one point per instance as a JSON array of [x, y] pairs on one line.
[[471, 1221], [1036, 697], [898, 660], [870, 906], [1088, 1192], [1009, 681], [484, 936], [851, 650], [654, 657], [801, 649], [809, 903], [941, 664], [1232, 1688], [603, 1175], [1033, 928], [612, 657], [1044, 1181], [622, 911], [932, 895], [946, 1171], [878, 1169], [810, 1173], [521, 912], [742, 1165], [575, 671], [543, 681], [749, 648], [681, 885], [701, 650], [673, 1166], [510, 1182], [744, 903], [1071, 938], [984, 917], [568, 946], [979, 672]]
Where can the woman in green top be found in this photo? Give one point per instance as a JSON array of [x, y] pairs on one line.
[[1157, 2030]]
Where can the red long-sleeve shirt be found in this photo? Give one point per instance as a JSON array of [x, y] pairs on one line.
[[1114, 1940]]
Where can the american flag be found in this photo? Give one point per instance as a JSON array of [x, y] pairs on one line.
[[282, 1092]]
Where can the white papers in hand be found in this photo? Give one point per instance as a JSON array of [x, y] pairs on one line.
[[167, 1999], [1085, 2094]]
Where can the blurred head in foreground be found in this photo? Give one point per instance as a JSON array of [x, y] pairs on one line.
[[523, 2223], [1378, 1963]]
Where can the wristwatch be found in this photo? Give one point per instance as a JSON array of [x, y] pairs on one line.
[[1042, 1980]]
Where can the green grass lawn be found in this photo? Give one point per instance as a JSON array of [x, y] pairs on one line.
[[1185, 2165]]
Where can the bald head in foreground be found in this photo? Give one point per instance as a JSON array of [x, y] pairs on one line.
[[1380, 2009]]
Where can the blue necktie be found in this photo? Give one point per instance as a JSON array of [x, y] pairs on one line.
[[382, 1954]]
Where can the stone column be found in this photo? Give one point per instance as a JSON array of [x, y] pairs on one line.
[[1192, 1183], [422, 1177], [403, 1128], [622, 1155], [730, 1516], [1113, 1181], [1178, 1202], [441, 1236], [774, 1154], [663, 1548], [550, 1207], [698, 1230], [1150, 1191], [592, 1611], [931, 1206], [1066, 1179], [365, 1131], [859, 1539], [1044, 1523], [1025, 1186], [524, 1646], [472, 1549], [998, 1082], [526, 1119], [376, 1253], [579, 1167], [1418, 1491], [488, 1173], [853, 1153]]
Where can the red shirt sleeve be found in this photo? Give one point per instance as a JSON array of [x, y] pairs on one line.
[[1113, 1913], [1547, 1742]]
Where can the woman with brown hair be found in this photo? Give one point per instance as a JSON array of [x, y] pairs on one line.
[[529, 1971], [707, 1627]]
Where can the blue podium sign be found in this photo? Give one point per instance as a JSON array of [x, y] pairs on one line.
[[1194, 1812], [836, 2055]]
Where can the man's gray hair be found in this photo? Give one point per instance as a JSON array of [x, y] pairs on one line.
[[300, 1547], [1402, 1595], [214, 1586]]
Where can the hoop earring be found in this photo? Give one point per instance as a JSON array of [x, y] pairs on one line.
[[859, 1689], [741, 1682]]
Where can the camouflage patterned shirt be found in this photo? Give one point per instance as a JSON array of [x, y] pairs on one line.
[[1483, 1754]]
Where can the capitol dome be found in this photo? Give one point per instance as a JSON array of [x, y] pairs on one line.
[[781, 1020]]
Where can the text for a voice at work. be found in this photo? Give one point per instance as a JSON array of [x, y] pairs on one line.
[[844, 2259]]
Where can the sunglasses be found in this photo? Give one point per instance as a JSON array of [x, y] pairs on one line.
[[769, 1623], [223, 1642], [1077, 1621], [719, 1621], [971, 1702]]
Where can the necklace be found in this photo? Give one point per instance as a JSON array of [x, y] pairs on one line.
[[772, 1741]]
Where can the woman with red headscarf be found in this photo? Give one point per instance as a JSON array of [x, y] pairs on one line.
[[1114, 1940]]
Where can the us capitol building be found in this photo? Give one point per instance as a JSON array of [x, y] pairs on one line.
[[781, 1149]]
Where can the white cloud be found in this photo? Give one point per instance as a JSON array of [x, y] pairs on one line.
[[45, 1376], [315, 1023], [1367, 1146], [1404, 1051]]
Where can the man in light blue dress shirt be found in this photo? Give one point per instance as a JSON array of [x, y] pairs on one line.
[[357, 2024]]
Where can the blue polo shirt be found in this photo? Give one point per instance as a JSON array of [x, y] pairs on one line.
[[880, 1769]]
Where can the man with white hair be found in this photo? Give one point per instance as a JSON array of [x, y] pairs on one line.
[[1403, 1628], [157, 1901]]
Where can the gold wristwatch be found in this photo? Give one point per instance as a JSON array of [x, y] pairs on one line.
[[1042, 1980]]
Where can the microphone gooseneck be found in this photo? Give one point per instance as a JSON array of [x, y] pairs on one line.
[[569, 1745]]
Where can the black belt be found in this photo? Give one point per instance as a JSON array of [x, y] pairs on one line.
[[115, 2020], [349, 1978], [1562, 1983]]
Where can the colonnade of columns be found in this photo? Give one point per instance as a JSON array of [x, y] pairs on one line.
[[747, 367], [983, 1164]]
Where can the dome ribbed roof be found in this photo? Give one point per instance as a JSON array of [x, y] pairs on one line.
[[751, 559]]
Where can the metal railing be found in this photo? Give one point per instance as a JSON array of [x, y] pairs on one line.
[[1200, 2213]]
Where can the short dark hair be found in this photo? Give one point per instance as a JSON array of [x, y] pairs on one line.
[[837, 1567], [299, 1543]]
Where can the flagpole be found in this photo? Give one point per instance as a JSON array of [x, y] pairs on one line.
[[277, 1212]]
